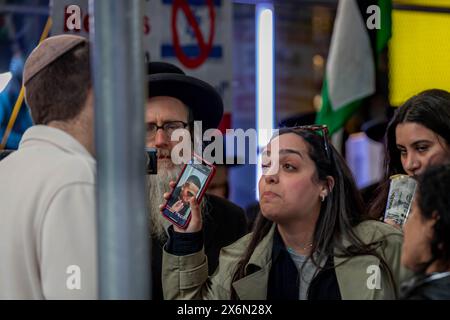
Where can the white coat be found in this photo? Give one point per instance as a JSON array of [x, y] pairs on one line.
[[47, 219]]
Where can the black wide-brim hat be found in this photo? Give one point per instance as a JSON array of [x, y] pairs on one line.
[[165, 79]]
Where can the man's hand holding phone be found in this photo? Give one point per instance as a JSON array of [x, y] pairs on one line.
[[195, 223]]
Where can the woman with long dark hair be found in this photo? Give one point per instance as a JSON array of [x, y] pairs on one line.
[[417, 136], [310, 241], [426, 247]]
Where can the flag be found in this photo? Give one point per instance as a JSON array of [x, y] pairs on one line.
[[350, 74]]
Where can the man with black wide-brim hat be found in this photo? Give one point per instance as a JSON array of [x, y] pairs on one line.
[[175, 101]]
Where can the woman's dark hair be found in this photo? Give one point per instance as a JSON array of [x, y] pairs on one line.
[[432, 198], [340, 213], [431, 109]]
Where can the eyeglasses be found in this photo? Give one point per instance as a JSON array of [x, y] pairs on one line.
[[168, 128], [322, 130]]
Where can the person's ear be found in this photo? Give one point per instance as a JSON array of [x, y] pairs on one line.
[[327, 187], [429, 224], [330, 182], [434, 217]]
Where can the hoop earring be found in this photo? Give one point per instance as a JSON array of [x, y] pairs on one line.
[[322, 198]]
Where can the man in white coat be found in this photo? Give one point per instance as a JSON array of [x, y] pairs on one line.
[[48, 244]]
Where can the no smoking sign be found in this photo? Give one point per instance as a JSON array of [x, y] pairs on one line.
[[196, 35], [204, 48]]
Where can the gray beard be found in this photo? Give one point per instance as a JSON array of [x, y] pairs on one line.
[[158, 184]]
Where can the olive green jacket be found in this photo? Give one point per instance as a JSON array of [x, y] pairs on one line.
[[361, 277]]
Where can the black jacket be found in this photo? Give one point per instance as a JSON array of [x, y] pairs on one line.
[[223, 224], [435, 286]]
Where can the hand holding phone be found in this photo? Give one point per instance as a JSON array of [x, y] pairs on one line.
[[187, 192]]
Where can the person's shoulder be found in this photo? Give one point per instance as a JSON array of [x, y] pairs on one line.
[[429, 289], [235, 250], [76, 168], [65, 172], [262, 252], [52, 165], [55, 150], [373, 230]]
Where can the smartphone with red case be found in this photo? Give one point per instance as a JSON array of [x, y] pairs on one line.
[[192, 181]]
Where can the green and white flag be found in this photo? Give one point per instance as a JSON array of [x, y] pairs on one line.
[[351, 68]]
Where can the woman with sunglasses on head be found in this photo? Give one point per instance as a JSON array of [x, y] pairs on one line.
[[426, 247], [417, 136], [310, 240]]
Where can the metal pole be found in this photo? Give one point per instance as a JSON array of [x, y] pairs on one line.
[[118, 64]]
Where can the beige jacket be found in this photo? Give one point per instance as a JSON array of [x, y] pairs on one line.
[[47, 219], [186, 277]]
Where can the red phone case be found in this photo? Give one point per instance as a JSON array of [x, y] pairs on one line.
[[205, 186]]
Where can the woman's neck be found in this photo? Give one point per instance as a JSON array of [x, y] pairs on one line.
[[298, 236]]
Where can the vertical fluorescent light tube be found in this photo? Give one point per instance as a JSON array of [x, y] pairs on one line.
[[264, 78], [4, 80]]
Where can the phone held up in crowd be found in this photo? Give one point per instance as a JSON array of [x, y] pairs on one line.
[[192, 182]]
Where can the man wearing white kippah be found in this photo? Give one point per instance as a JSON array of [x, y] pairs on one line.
[[47, 190]]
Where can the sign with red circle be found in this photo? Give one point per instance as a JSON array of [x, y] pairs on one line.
[[204, 47]]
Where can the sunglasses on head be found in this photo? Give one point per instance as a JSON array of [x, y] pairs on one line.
[[320, 129]]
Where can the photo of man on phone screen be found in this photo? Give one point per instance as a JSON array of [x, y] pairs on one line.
[[183, 194]]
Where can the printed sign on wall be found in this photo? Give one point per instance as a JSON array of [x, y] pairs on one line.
[[196, 35]]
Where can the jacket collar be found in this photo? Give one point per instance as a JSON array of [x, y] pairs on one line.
[[39, 135], [254, 285], [360, 277], [352, 274], [262, 256]]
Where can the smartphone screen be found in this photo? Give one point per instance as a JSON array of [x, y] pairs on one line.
[[192, 182]]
